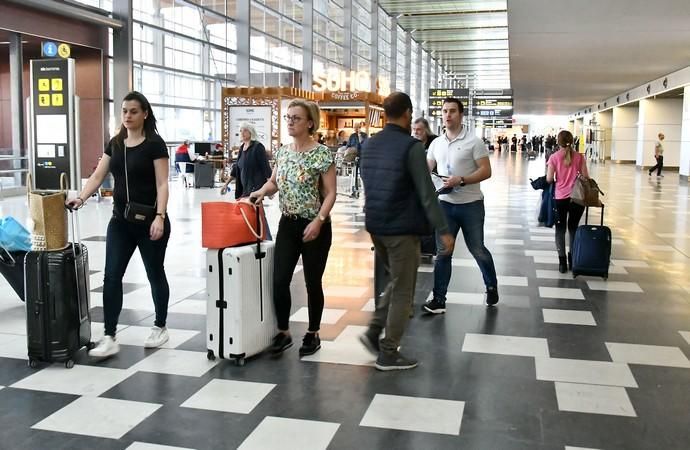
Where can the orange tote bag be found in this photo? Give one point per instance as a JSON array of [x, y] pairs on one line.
[[229, 224]]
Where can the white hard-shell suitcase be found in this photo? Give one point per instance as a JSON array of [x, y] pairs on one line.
[[240, 317]]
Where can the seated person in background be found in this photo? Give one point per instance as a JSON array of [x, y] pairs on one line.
[[182, 155], [218, 150]]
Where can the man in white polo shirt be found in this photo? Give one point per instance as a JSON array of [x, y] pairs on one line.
[[462, 160]]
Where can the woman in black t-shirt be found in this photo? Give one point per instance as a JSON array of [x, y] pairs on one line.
[[144, 181]]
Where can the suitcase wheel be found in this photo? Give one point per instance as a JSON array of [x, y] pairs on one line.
[[33, 363], [210, 356], [239, 362], [69, 363]]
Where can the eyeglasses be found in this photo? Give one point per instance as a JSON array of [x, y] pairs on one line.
[[293, 119]]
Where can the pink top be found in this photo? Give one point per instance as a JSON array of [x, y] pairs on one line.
[[565, 176]]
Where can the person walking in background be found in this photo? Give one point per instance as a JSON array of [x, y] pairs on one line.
[[659, 156], [251, 170], [462, 159], [422, 131], [138, 160], [400, 206], [564, 166], [304, 175]]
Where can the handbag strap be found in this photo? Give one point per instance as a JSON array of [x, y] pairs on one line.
[[126, 177], [260, 224]]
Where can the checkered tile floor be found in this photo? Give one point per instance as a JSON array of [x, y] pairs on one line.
[[560, 363]]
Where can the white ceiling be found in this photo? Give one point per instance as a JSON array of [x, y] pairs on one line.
[[566, 55]]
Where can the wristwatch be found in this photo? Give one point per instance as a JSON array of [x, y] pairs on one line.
[[161, 214], [321, 218], [462, 181]]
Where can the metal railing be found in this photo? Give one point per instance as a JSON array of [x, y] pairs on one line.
[[17, 168]]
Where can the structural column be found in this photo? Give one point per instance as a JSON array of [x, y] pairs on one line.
[[408, 63], [347, 35], [661, 115], [243, 26], [624, 133], [684, 167], [308, 45], [16, 102], [123, 54], [394, 55]]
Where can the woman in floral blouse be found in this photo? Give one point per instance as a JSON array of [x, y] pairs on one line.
[[304, 175]]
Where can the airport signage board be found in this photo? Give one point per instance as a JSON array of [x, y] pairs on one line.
[[437, 95]]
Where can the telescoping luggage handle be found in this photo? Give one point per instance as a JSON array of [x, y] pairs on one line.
[[76, 242], [587, 214]]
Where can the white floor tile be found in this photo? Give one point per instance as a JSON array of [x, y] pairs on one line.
[[345, 291], [330, 316], [510, 226], [345, 230], [657, 248], [80, 380], [549, 231], [541, 253], [290, 434], [587, 398], [189, 307], [617, 270], [344, 350], [176, 362], [512, 281], [505, 345], [13, 346], [229, 396], [545, 259], [553, 275], [674, 235], [135, 335], [509, 242], [100, 417], [147, 446], [614, 286], [568, 317], [465, 298], [542, 238], [465, 262], [686, 335], [352, 224], [356, 245], [426, 415], [426, 269], [561, 293], [569, 447], [369, 306], [652, 355], [585, 372], [629, 263], [13, 318]]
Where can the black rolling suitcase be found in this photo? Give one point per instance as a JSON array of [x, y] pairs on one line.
[[592, 249], [58, 324], [12, 268], [203, 175]]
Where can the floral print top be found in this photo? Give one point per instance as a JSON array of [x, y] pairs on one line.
[[297, 175]]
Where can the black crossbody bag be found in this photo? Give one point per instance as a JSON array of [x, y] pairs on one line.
[[137, 212]]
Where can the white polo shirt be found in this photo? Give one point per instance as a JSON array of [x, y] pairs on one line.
[[458, 158]]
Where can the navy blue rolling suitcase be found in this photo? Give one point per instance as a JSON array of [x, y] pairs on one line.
[[592, 249]]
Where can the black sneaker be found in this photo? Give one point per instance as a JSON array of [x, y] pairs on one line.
[[310, 344], [491, 296], [370, 340], [281, 342], [434, 306], [394, 361]]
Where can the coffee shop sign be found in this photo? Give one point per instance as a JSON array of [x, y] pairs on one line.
[[335, 80]]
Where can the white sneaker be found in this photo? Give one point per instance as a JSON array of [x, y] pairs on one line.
[[158, 337], [106, 347]]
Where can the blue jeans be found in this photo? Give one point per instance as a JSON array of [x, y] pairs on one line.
[[468, 217]]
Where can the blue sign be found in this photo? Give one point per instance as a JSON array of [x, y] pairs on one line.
[[49, 49]]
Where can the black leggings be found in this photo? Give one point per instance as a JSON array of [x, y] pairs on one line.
[[569, 215], [289, 247], [122, 239]]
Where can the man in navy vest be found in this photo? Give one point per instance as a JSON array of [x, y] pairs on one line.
[[400, 206]]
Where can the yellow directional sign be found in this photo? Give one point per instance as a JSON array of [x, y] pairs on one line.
[[57, 99], [43, 99], [64, 50], [43, 84], [56, 84]]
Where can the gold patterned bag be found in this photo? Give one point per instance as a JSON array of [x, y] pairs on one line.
[[49, 216]]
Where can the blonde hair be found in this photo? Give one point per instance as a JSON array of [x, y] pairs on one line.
[[565, 141], [312, 110]]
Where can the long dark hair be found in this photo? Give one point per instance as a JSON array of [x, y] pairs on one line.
[[150, 128]]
